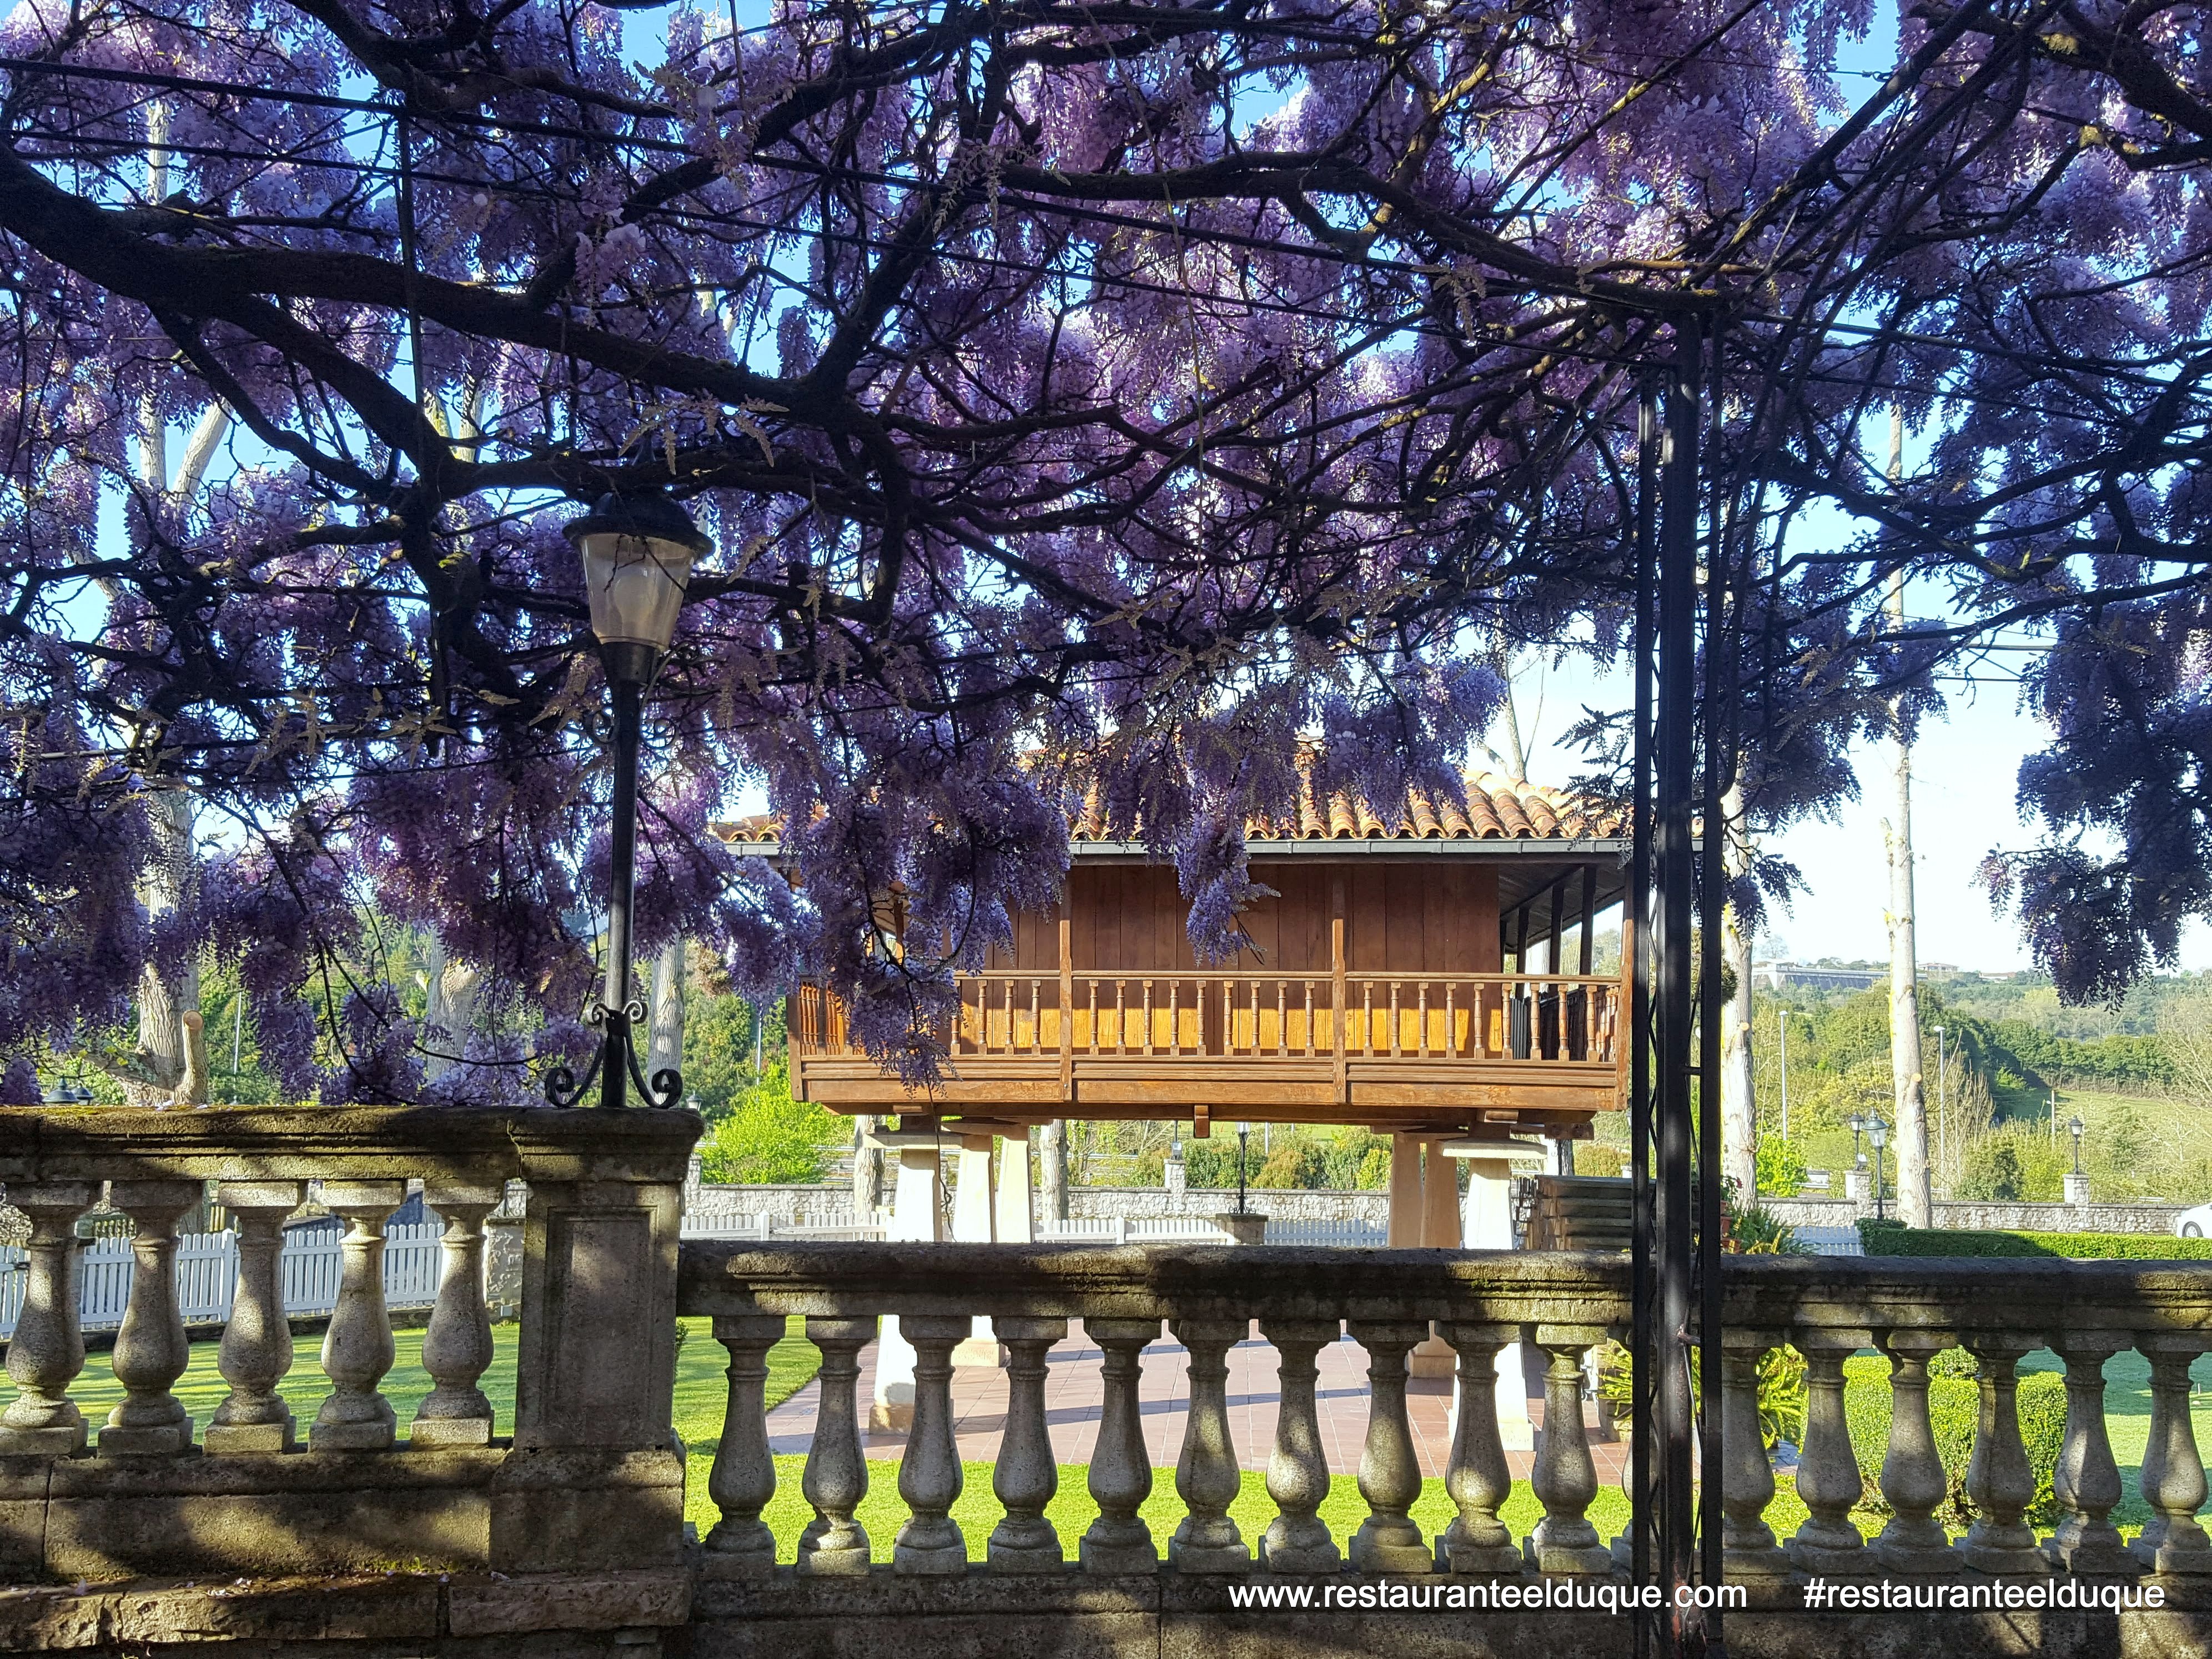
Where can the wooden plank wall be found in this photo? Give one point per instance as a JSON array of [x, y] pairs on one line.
[[1439, 918]]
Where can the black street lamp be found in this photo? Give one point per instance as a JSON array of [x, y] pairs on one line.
[[1877, 1136], [1857, 1124], [637, 551], [1244, 1136], [2074, 1127]]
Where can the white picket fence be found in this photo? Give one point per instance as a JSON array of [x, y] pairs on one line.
[[747, 1225], [207, 1274], [1162, 1229]]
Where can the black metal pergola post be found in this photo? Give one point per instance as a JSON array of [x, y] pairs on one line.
[[1677, 879]]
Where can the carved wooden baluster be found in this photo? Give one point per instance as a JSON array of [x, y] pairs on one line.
[[46, 1351], [1827, 1468], [1094, 1015], [1423, 1016], [1120, 1017], [1175, 1016], [1282, 1020], [929, 1475], [1394, 1019], [456, 1348], [1565, 1475], [2086, 1482], [836, 1476], [357, 1347], [1207, 1476], [256, 1351], [1121, 1469], [1025, 1477], [1748, 1552], [1998, 1479], [1310, 1020], [1477, 1479], [1451, 1020], [1296, 1541], [2172, 1476], [1367, 1016], [742, 1479], [151, 1350], [1912, 1477], [1390, 1475], [1148, 1016], [1256, 1018]]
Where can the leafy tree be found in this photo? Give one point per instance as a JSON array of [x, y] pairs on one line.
[[768, 1139]]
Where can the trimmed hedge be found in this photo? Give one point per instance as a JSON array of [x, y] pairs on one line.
[[1893, 1238], [1953, 1405]]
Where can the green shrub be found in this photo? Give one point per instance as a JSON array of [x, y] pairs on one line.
[[1954, 1407], [1892, 1238], [1592, 1160], [1781, 1165], [768, 1138]]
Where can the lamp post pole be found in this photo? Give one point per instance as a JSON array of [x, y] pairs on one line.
[[637, 552]]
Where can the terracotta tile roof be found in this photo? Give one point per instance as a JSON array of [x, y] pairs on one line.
[[1496, 810]]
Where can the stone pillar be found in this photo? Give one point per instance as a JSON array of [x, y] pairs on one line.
[[1487, 1223], [974, 1221], [1405, 1229], [503, 1253], [918, 1218], [1175, 1177], [1440, 1230], [150, 1349], [2077, 1189], [1015, 1216], [595, 1477], [47, 1351], [1858, 1186], [256, 1351]]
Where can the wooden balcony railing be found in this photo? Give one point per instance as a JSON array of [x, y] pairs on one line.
[[1559, 1018]]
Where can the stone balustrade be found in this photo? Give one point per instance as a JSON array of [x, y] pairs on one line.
[[591, 1475], [1210, 1298]]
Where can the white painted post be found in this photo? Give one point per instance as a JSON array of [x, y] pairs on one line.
[[917, 1218], [1017, 1213], [1440, 1230], [1404, 1192], [974, 1221]]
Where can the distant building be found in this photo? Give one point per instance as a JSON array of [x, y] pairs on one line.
[[1829, 975]]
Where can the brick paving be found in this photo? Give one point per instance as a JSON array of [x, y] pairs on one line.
[[1072, 1393]]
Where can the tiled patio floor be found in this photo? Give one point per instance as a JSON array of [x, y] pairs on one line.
[[1072, 1389]]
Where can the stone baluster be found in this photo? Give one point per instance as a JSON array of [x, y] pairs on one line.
[[2171, 1477], [2086, 1482], [1025, 1476], [1121, 1469], [357, 1347], [151, 1350], [1389, 1476], [456, 1347], [1827, 1542], [1296, 1540], [836, 1477], [46, 1351], [1565, 1475], [256, 1352], [1912, 1477], [743, 1478], [1748, 1552], [929, 1473], [1999, 1482], [1476, 1478], [1206, 1476]]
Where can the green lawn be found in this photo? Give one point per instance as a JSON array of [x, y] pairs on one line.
[[702, 1390]]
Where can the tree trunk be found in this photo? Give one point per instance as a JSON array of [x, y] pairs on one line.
[[664, 1047], [1051, 1168], [450, 1015], [1915, 1199], [160, 1071], [1739, 1122], [867, 1171]]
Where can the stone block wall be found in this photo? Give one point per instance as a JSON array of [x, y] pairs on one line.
[[1991, 1215]]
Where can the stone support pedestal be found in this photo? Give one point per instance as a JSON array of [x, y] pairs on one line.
[[917, 1217], [1487, 1223]]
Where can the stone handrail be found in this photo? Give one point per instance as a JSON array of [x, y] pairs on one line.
[[1828, 1308], [592, 1476]]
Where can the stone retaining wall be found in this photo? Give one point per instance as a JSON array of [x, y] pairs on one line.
[[1086, 1203], [1998, 1217]]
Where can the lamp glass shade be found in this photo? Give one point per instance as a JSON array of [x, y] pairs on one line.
[[1878, 1133], [2074, 1127], [637, 552]]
